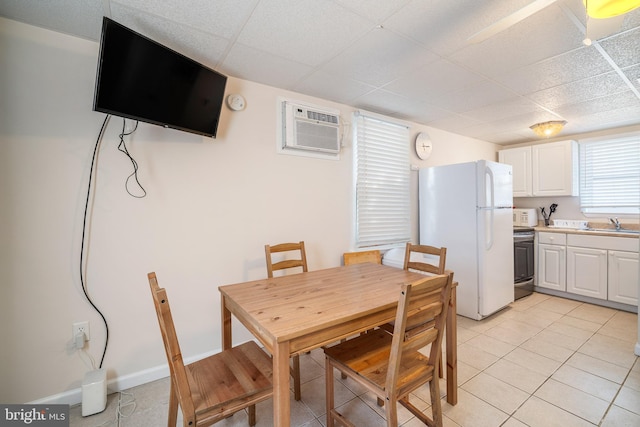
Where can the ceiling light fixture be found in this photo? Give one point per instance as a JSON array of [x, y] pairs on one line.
[[601, 9], [548, 129]]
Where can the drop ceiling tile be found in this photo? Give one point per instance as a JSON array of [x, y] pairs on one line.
[[603, 104], [453, 122], [374, 10], [579, 91], [511, 130], [519, 124], [427, 114], [335, 88], [306, 31], [627, 116], [82, 18], [492, 133], [197, 45], [505, 138], [543, 35], [624, 48], [379, 57], [633, 74], [222, 18], [434, 80], [574, 65], [505, 110], [397, 105], [242, 61], [474, 96], [445, 26]]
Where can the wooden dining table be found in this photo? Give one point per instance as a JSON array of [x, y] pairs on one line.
[[296, 313]]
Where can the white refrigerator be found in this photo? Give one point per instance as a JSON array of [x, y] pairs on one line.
[[467, 208]]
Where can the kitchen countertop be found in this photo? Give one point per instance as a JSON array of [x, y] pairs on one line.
[[611, 233]]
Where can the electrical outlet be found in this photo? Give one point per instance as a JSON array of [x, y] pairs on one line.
[[80, 327]]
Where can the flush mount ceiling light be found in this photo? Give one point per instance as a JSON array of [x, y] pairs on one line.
[[602, 9], [548, 129]]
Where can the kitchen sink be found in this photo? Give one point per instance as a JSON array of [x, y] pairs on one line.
[[613, 230]]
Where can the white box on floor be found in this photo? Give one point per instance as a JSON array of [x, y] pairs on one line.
[[94, 392]]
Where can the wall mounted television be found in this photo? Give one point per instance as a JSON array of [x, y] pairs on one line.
[[140, 79]]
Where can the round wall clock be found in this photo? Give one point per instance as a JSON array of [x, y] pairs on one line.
[[423, 145], [236, 102]]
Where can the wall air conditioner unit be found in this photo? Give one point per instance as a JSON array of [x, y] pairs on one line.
[[310, 128]]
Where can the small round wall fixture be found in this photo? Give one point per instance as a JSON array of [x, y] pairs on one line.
[[236, 102], [424, 146]]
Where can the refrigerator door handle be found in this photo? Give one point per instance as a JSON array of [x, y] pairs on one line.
[[490, 190]]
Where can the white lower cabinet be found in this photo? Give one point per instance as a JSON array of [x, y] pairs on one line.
[[551, 267], [600, 267], [552, 254], [587, 272], [624, 277]]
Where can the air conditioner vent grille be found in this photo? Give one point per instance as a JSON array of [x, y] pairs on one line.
[[322, 117]]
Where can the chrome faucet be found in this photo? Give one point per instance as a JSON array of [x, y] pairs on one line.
[[615, 222]]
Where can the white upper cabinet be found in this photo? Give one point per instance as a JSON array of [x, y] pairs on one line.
[[520, 160], [543, 170], [555, 167]]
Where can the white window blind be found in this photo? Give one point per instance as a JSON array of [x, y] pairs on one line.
[[610, 176], [382, 179]]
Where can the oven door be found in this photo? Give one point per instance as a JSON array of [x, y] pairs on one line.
[[523, 267]]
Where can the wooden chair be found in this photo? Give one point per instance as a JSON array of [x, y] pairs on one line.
[[363, 256], [391, 365], [423, 266], [300, 261], [426, 267], [217, 386]]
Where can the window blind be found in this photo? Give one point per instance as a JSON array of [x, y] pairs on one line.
[[610, 176], [382, 180]]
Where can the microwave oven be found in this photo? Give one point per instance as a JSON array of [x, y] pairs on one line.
[[525, 217]]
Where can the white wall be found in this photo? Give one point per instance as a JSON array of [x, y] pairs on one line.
[[211, 207]]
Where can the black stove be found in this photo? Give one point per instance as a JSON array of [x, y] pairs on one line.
[[523, 258]]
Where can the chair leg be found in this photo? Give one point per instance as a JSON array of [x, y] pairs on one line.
[[296, 377], [391, 412], [329, 391], [173, 407], [342, 374], [436, 406], [252, 415], [440, 369]]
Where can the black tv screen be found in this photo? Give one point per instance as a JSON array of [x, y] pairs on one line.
[[141, 79]]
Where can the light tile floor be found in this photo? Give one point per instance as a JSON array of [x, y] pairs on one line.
[[543, 361]]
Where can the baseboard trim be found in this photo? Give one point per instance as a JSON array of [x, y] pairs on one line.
[[117, 384], [590, 300]]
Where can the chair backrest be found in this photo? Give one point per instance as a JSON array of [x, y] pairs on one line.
[[363, 256], [171, 346], [301, 261], [430, 298], [423, 266]]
